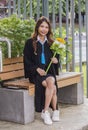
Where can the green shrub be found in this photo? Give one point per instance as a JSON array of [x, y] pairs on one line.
[[17, 30]]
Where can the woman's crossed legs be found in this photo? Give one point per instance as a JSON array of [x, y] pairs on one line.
[[50, 92]]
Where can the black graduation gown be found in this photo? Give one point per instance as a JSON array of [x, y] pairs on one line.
[[31, 62]]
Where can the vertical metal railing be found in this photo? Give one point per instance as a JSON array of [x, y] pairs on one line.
[[1, 64], [30, 8], [60, 18], [24, 14], [19, 8], [14, 6], [9, 7], [38, 9], [80, 38], [87, 45], [45, 8], [53, 14], [72, 31], [67, 32]]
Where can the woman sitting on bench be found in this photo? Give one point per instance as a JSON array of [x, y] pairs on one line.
[[37, 55]]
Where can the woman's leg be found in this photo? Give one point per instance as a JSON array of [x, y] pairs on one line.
[[50, 92], [50, 97], [54, 99]]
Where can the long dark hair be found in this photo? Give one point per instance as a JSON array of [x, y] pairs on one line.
[[49, 34]]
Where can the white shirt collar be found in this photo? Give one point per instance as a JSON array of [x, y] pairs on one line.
[[38, 38]]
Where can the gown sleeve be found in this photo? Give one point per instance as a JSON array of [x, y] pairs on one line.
[[29, 65]]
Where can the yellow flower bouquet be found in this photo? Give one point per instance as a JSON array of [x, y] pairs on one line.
[[58, 47]]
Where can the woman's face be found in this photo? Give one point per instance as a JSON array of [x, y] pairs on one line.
[[43, 29]]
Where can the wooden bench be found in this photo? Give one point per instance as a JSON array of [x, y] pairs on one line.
[[13, 76], [70, 84]]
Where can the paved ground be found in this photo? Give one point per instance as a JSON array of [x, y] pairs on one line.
[[72, 117]]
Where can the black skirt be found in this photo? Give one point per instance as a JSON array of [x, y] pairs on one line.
[[42, 78]]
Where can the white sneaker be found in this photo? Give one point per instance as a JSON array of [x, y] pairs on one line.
[[55, 115], [46, 117]]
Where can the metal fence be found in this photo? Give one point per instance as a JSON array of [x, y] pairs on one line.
[[49, 8]]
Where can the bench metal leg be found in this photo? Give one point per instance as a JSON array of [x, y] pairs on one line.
[[16, 106], [72, 94]]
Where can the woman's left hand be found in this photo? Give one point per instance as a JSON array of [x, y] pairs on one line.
[[54, 60]]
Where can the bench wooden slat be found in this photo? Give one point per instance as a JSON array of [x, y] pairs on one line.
[[68, 81], [8, 61], [12, 67], [67, 75], [12, 75], [22, 83]]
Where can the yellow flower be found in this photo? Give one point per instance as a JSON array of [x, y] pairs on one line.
[[61, 40]]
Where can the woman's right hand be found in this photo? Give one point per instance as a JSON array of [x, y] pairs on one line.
[[41, 71]]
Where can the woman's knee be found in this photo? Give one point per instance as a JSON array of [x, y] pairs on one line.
[[50, 80]]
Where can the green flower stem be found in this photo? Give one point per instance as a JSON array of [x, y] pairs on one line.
[[50, 62]]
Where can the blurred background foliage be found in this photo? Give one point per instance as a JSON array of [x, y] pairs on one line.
[[17, 31]]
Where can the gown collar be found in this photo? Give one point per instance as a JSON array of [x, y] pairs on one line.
[[38, 39]]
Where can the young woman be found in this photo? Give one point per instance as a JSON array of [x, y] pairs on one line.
[[37, 55]]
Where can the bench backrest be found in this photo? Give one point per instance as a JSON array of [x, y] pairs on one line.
[[12, 68]]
